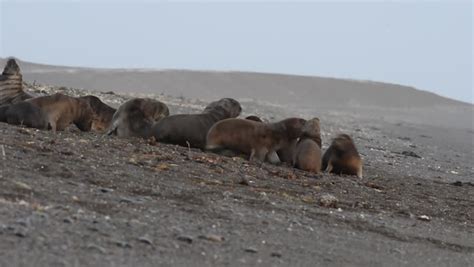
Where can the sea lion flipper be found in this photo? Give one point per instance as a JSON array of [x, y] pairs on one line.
[[273, 158]]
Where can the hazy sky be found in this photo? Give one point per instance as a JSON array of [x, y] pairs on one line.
[[424, 44]]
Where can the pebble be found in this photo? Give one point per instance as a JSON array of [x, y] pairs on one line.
[[212, 237], [251, 250], [328, 200], [185, 238], [424, 218], [145, 239], [276, 254]]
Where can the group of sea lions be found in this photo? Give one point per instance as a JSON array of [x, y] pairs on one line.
[[217, 129]]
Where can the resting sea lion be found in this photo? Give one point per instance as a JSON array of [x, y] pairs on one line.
[[135, 117], [307, 154], [11, 84], [257, 140], [182, 129], [102, 113], [24, 113], [342, 157], [62, 110]]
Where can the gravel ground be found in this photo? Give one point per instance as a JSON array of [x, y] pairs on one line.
[[75, 198]]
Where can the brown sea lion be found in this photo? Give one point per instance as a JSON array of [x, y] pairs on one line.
[[285, 154], [259, 141], [103, 113], [253, 118], [62, 110], [11, 84], [342, 157], [307, 154], [184, 129], [135, 117], [24, 113]]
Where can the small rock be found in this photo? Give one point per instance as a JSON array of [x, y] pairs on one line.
[[22, 185], [185, 238], [145, 239], [244, 181], [424, 218], [212, 237], [106, 190], [410, 154], [328, 201], [251, 250], [67, 220], [276, 254], [96, 247]]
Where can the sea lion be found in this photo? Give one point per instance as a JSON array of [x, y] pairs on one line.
[[62, 110], [342, 157], [259, 141], [191, 129], [135, 117], [11, 84], [253, 118], [24, 113], [307, 154], [285, 154], [103, 113]]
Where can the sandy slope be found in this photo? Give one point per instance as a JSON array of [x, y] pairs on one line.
[[83, 199]]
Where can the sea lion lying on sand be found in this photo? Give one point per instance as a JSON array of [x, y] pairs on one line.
[[24, 113], [62, 110], [11, 84], [184, 129], [135, 117], [103, 113], [307, 154], [259, 141], [342, 157]]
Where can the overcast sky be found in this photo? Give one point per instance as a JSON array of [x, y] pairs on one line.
[[423, 44]]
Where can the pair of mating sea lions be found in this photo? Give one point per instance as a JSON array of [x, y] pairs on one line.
[[292, 138]]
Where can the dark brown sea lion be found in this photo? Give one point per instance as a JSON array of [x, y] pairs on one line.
[[62, 110], [307, 154], [259, 141], [342, 157], [253, 118], [184, 129], [135, 117], [11, 84], [103, 113], [24, 113]]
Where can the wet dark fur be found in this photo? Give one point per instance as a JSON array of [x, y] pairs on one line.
[[343, 156], [135, 117], [62, 110], [11, 84], [103, 113], [25, 113], [255, 139], [307, 153], [192, 128]]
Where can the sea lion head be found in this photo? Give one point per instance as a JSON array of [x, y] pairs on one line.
[[228, 107], [293, 127], [11, 68], [312, 129], [154, 110], [86, 116], [102, 113]]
